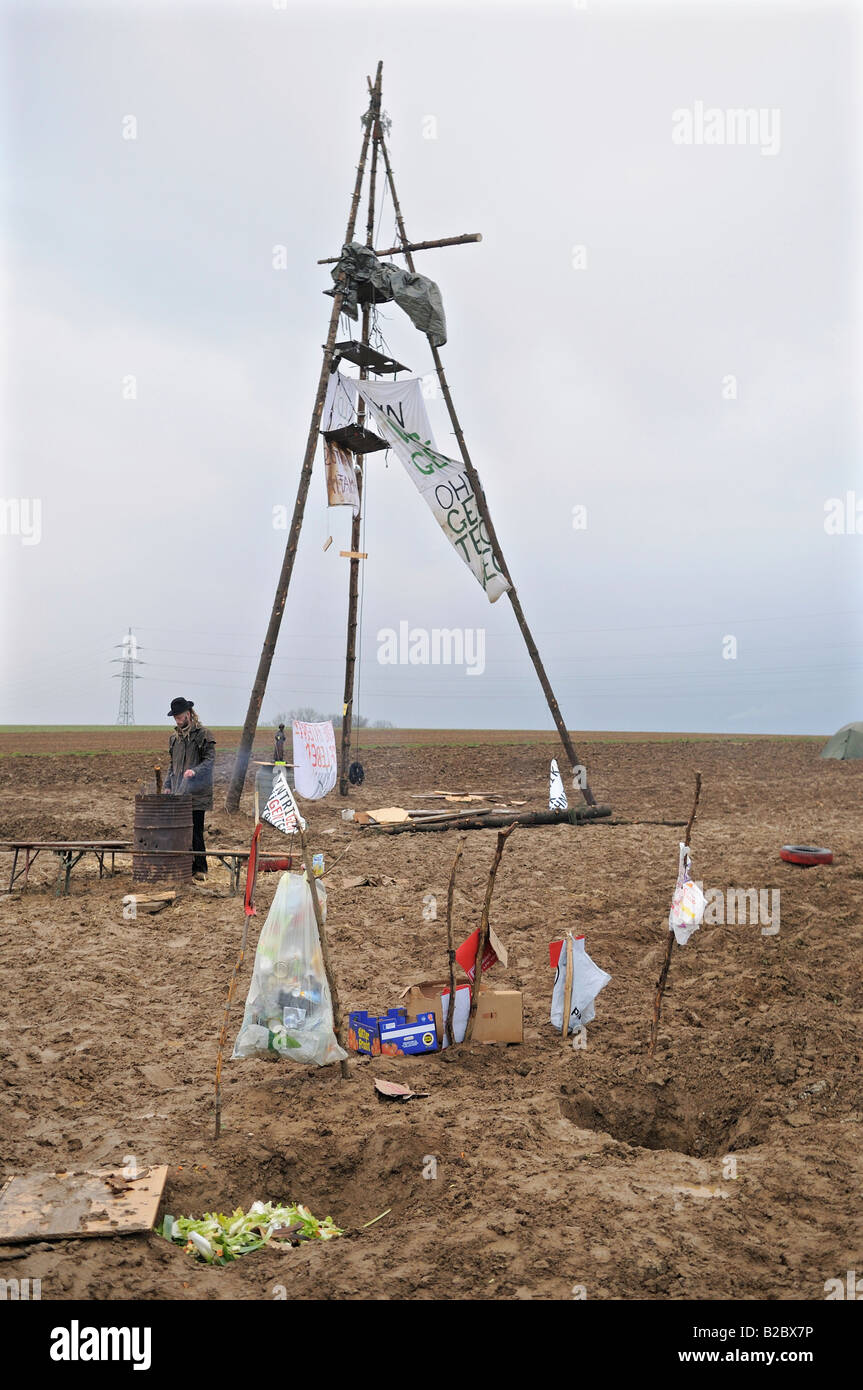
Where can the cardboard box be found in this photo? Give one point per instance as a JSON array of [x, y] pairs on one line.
[[499, 1015], [364, 1029], [399, 1039], [363, 1033]]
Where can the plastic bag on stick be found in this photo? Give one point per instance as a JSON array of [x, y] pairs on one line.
[[587, 980], [289, 1012], [688, 902]]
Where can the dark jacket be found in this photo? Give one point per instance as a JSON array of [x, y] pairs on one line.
[[195, 750]]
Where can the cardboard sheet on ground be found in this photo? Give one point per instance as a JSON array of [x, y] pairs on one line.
[[384, 815], [101, 1202]]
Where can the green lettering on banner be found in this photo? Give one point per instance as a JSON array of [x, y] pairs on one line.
[[436, 460]]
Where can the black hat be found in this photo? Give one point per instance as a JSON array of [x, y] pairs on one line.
[[180, 705]]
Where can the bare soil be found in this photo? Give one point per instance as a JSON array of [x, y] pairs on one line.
[[729, 1167]]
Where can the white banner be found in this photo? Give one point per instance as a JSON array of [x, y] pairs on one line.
[[398, 414], [340, 402], [315, 762]]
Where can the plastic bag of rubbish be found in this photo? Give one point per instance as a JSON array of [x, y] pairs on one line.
[[289, 1012], [587, 980], [688, 902]]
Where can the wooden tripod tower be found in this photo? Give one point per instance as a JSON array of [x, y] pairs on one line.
[[374, 135]]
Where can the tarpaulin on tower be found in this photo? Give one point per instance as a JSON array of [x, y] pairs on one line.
[[416, 294]]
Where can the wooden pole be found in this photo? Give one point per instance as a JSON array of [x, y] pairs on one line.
[[325, 949], [574, 816], [244, 752], [416, 246], [663, 974], [450, 952], [354, 580], [158, 772], [224, 1033], [482, 508], [502, 837], [567, 986]]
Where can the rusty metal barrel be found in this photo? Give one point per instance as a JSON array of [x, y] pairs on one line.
[[162, 823]]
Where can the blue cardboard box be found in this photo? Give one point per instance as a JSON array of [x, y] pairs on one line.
[[364, 1029], [403, 1039]]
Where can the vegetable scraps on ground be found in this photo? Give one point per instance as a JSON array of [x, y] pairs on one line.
[[218, 1239]]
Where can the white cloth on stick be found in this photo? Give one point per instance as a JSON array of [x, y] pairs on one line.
[[556, 792]]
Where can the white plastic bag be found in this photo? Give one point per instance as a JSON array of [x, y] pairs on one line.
[[587, 981], [289, 1012], [688, 902]]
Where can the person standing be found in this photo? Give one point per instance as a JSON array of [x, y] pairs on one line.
[[279, 745], [191, 758]]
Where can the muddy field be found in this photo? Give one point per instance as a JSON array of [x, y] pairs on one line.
[[729, 1167]]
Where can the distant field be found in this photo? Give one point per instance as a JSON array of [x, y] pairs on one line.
[[82, 739]]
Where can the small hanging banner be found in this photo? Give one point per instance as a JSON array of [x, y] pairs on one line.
[[342, 490], [281, 810], [315, 764]]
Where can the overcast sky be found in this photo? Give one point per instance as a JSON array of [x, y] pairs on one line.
[[691, 377]]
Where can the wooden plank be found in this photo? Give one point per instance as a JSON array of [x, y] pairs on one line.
[[98, 1202], [64, 844], [354, 554]]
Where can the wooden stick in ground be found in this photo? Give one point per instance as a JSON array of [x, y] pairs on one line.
[[567, 986], [502, 837], [325, 950], [450, 1008], [663, 974], [224, 1033], [158, 772]]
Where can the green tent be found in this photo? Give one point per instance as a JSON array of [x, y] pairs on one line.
[[847, 743]]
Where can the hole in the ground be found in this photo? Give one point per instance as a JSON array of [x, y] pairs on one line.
[[346, 1176], [654, 1116]]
